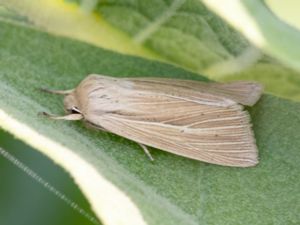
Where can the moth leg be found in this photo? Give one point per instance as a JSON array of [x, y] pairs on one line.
[[146, 150], [58, 92], [75, 116]]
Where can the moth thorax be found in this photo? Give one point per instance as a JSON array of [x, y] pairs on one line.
[[70, 102]]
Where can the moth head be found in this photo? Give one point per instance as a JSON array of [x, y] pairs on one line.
[[71, 104]]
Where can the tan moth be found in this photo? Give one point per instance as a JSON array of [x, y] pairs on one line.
[[197, 120]]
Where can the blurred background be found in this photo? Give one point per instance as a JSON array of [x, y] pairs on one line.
[[24, 201]]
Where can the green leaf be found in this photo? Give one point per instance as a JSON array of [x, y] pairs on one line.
[[181, 32], [255, 20], [66, 19], [117, 178], [287, 11]]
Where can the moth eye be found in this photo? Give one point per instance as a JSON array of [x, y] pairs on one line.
[[74, 110]]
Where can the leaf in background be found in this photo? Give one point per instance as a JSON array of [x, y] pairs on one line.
[[182, 32], [254, 19], [157, 26], [66, 19], [286, 10], [114, 174], [24, 200]]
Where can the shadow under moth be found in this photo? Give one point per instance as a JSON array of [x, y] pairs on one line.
[[197, 120]]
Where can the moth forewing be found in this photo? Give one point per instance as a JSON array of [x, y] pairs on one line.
[[188, 118], [242, 92]]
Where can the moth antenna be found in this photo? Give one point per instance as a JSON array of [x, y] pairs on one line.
[[75, 116], [146, 150], [58, 92]]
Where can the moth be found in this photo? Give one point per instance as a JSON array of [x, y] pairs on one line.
[[198, 120]]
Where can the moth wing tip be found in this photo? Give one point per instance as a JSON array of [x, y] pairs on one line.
[[256, 94], [252, 161]]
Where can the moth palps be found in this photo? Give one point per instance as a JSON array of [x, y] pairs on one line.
[[197, 120]]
